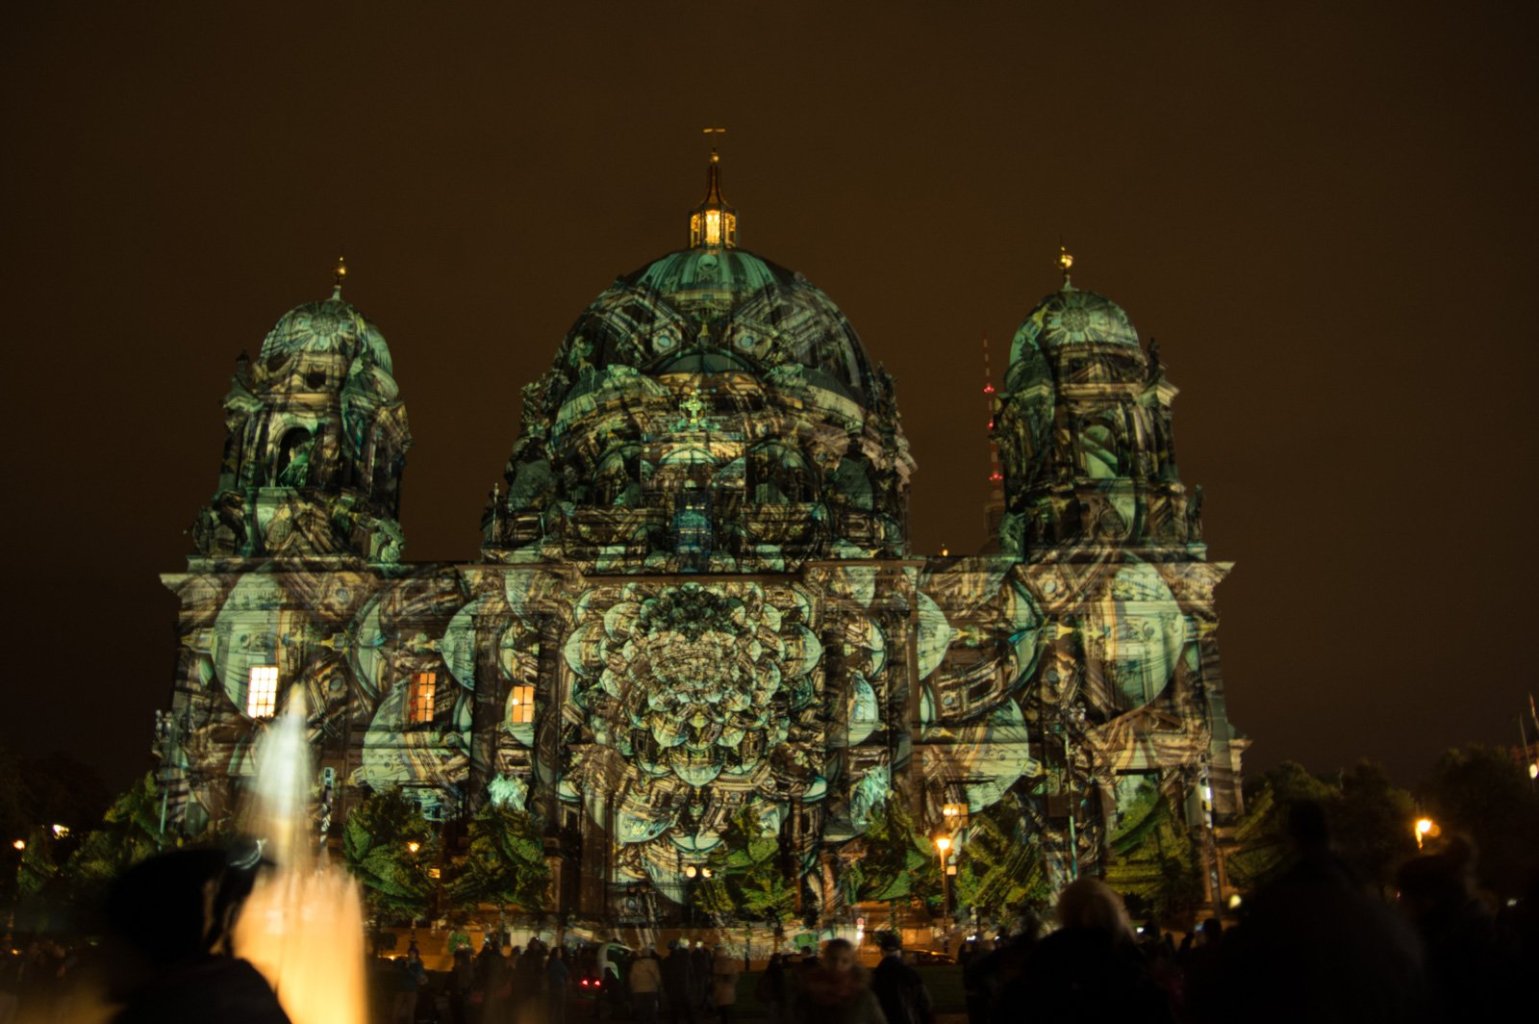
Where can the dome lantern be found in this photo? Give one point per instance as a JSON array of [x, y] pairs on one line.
[[713, 224]]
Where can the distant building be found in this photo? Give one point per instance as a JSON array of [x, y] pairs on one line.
[[695, 599]]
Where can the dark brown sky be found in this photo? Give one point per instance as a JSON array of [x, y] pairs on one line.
[[1327, 214]]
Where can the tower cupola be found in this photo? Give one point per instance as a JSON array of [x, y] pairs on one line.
[[713, 224]]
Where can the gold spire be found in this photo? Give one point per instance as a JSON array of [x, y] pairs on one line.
[[338, 275], [713, 224], [1065, 261]]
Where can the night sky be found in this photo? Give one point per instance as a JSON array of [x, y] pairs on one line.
[[1326, 214]]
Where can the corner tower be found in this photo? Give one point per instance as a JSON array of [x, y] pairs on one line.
[[316, 442], [1083, 428]]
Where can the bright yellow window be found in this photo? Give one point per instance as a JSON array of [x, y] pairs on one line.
[[262, 691], [521, 705], [420, 697]]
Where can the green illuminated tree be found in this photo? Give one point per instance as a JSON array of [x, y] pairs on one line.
[[1000, 871], [1157, 866], [391, 849], [129, 832], [38, 872], [898, 862], [505, 864], [747, 882]]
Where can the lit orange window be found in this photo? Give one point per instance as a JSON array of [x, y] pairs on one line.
[[262, 691], [521, 705], [420, 696]]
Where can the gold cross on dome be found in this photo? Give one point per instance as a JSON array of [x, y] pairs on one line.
[[693, 407]]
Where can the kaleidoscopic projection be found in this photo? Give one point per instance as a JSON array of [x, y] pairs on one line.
[[696, 635]]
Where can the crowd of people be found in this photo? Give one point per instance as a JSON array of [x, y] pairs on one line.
[[35, 980], [685, 988], [527, 985], [691, 984], [1318, 945]]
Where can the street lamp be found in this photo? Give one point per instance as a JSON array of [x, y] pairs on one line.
[[1424, 828], [413, 846], [943, 844], [19, 844]]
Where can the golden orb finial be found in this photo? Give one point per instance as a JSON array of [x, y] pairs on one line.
[[1065, 261], [338, 275]]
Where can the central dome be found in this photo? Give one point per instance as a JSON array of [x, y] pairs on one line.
[[709, 412], [716, 310]]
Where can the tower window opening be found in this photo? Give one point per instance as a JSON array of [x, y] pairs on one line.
[[262, 691], [521, 705], [421, 697]]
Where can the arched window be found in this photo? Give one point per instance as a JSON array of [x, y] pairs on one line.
[[292, 468]]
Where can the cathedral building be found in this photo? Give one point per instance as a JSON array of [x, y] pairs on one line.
[[695, 601]]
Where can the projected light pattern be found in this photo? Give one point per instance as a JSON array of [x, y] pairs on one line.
[[696, 605]]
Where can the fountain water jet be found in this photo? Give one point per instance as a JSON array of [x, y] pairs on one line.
[[302, 927]]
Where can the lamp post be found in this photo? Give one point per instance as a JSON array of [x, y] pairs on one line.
[[942, 845], [1423, 829]]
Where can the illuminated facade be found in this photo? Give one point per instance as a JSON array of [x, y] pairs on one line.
[[695, 596]]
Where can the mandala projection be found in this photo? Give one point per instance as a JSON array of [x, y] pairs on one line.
[[695, 683], [696, 637]]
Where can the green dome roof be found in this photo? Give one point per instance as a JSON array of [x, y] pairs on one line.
[[725, 271], [1071, 316], [329, 327], [718, 309]]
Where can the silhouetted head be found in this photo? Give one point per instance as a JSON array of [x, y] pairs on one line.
[[839, 955], [1307, 826], [181, 904], [1442, 878], [1091, 904]]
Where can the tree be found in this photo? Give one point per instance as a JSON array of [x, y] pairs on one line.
[[505, 863], [1368, 816], [390, 848], [1485, 794], [129, 832], [1157, 866], [746, 883], [37, 793], [1259, 845], [1371, 820], [897, 862], [1001, 870], [60, 789]]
